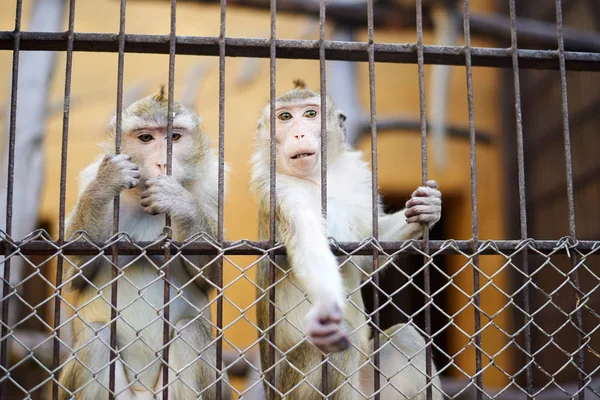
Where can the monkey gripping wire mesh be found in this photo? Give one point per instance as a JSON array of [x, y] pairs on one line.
[[515, 254]]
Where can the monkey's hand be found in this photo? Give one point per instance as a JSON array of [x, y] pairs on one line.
[[164, 195], [425, 205], [116, 172], [323, 328]]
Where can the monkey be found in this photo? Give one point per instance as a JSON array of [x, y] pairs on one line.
[[330, 317], [147, 194]]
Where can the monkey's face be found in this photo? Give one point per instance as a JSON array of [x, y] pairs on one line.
[[298, 135], [148, 149]]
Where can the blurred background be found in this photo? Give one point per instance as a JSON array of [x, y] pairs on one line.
[[93, 102]]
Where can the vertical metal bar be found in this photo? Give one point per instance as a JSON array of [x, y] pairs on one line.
[[570, 196], [272, 202], [522, 195], [116, 209], [474, 212], [9, 194], [221, 194], [374, 198], [323, 83], [167, 269], [424, 173], [63, 191]]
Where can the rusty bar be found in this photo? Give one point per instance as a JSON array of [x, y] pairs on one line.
[[270, 392], [522, 200], [9, 195], [474, 214], [63, 192], [570, 199], [247, 247], [167, 251], [374, 201], [221, 199], [302, 49], [323, 90], [115, 271], [424, 172]]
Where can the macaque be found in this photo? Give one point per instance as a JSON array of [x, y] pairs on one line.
[[317, 296], [147, 194]]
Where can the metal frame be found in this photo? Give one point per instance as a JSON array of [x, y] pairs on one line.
[[322, 50]]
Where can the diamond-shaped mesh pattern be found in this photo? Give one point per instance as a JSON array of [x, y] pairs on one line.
[[550, 339]]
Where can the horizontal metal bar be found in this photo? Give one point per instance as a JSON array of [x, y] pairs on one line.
[[43, 247], [414, 124], [301, 49]]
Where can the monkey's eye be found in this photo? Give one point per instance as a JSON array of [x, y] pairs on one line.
[[176, 136], [310, 113], [285, 116], [145, 137]]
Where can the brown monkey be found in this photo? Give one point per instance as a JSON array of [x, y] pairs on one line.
[[189, 196], [332, 316]]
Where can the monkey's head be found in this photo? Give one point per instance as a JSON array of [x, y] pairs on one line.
[[144, 137], [298, 131]]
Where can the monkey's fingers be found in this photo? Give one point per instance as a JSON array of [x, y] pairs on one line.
[[335, 342], [133, 183], [426, 192], [146, 201], [425, 217], [420, 210], [423, 201], [431, 184], [321, 331]]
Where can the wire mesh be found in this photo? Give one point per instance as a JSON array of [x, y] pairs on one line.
[[121, 252]]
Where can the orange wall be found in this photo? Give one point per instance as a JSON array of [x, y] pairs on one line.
[[93, 101]]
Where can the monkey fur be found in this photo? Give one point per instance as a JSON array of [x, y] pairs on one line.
[[331, 319], [147, 194]]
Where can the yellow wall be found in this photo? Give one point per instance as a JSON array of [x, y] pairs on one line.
[[93, 101]]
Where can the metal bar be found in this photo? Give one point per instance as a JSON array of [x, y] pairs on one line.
[[324, 114], [395, 15], [424, 173], [167, 269], [221, 194], [409, 124], [115, 271], [376, 320], [522, 200], [303, 49], [63, 193], [247, 247], [474, 214], [533, 32], [9, 195], [349, 14], [570, 197], [270, 392]]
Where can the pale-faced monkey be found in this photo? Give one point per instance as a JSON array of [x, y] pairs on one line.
[[332, 316], [147, 194]]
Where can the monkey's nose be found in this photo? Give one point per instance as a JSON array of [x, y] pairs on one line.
[[299, 136], [162, 168]]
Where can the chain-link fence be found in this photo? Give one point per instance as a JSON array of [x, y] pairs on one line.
[[99, 358]]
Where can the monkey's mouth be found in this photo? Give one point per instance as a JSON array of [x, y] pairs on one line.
[[303, 155]]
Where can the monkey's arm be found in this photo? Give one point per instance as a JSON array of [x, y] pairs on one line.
[[423, 209], [101, 181], [302, 230], [191, 213]]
